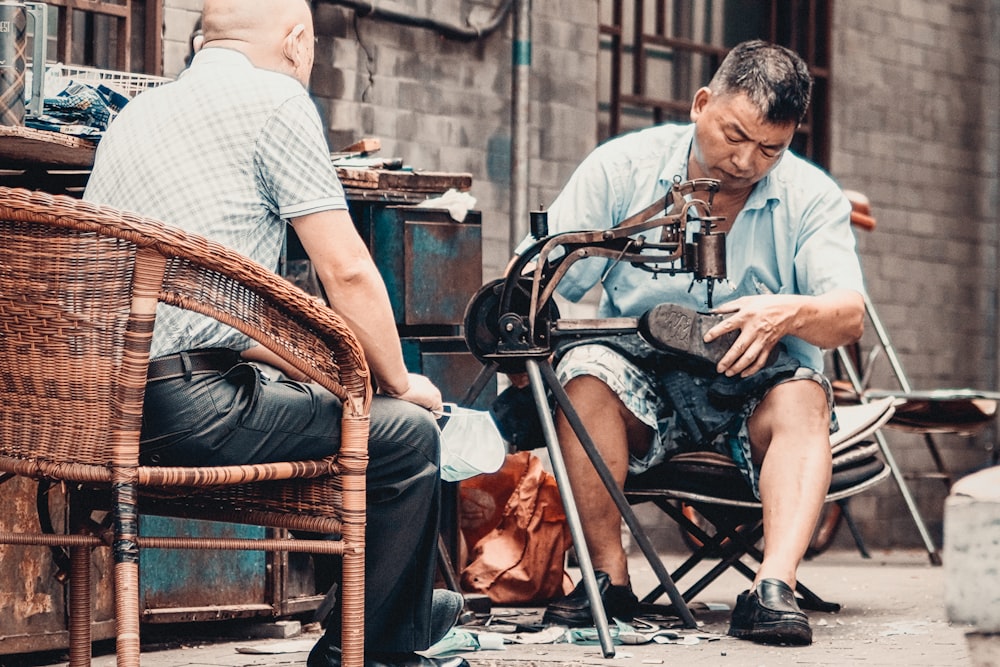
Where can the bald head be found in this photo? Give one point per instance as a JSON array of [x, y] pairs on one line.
[[273, 34]]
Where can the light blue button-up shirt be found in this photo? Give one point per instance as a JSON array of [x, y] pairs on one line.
[[793, 235]]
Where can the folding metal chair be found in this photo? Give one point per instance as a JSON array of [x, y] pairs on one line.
[[954, 411]]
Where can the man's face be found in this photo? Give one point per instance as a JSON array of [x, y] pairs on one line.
[[733, 143]]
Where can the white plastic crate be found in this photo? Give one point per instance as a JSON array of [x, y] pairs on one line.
[[127, 83]]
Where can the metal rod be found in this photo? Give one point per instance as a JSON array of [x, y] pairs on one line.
[[520, 109], [886, 342], [569, 505], [890, 460], [477, 386]]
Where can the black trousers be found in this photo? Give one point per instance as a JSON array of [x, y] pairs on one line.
[[244, 416]]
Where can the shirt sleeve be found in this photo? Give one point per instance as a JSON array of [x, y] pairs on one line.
[[826, 258], [293, 162]]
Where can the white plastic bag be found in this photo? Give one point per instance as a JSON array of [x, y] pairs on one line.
[[470, 444]]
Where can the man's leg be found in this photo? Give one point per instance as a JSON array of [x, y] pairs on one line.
[[790, 439], [611, 426], [404, 498], [790, 442], [244, 417]]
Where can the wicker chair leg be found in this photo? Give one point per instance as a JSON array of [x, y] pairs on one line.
[[79, 607], [126, 559], [127, 614]]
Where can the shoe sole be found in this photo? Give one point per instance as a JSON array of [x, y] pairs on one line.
[[780, 632], [680, 330]]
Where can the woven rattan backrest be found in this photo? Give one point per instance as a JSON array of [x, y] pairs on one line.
[[65, 300], [78, 285]]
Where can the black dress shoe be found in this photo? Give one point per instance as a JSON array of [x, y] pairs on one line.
[[324, 654], [574, 610], [770, 615]]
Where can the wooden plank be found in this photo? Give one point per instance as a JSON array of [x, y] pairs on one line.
[[28, 147], [403, 180], [358, 178], [366, 145], [423, 181]]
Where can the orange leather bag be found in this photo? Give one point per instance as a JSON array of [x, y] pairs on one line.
[[516, 522]]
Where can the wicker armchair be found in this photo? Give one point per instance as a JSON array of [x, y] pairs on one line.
[[79, 286]]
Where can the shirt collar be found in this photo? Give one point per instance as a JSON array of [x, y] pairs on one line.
[[215, 55], [676, 163]]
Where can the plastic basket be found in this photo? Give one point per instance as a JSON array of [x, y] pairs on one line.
[[127, 83]]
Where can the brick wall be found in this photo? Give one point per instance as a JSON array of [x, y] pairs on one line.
[[445, 105], [915, 127], [178, 20]]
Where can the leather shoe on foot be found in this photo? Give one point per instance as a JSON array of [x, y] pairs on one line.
[[325, 654], [573, 610], [770, 615]]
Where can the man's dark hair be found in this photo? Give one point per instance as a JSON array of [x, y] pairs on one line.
[[775, 79]]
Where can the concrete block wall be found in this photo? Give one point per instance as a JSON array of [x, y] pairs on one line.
[[915, 91], [179, 17]]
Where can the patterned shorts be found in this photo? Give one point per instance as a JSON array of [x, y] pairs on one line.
[[640, 393]]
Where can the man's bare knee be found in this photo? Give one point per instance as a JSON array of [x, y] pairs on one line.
[[796, 409], [600, 408]]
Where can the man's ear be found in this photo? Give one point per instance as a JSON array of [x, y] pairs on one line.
[[701, 99], [290, 46]]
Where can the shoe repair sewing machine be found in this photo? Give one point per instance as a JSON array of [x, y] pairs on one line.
[[513, 325]]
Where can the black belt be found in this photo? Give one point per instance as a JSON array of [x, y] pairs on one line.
[[183, 364]]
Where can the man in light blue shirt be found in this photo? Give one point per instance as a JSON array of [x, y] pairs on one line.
[[794, 279]]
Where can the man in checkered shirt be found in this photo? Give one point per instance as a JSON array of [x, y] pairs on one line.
[[234, 150]]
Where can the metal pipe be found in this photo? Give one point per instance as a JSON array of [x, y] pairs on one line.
[[468, 32], [559, 471], [520, 116]]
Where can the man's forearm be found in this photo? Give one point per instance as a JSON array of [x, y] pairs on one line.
[[831, 320], [361, 300]]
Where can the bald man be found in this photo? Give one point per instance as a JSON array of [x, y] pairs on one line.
[[234, 150]]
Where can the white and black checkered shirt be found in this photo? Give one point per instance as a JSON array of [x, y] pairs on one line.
[[228, 151]]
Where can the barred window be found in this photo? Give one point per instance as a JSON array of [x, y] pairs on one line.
[[122, 35], [654, 55]]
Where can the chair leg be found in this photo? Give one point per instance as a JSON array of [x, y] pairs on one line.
[[859, 541], [942, 469], [126, 574], [80, 583], [79, 607], [446, 567], [890, 460], [747, 541]]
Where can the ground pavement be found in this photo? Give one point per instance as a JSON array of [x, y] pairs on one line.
[[893, 614]]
